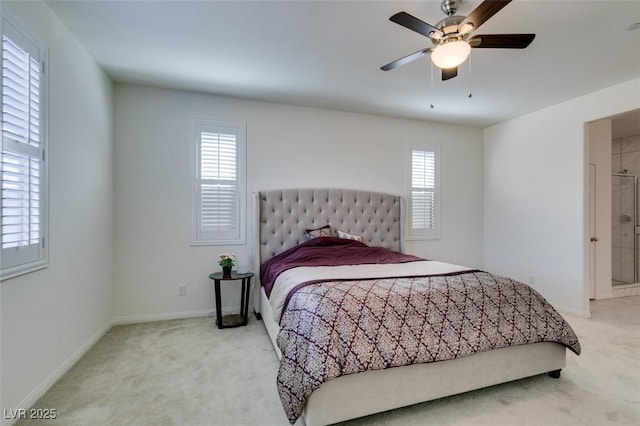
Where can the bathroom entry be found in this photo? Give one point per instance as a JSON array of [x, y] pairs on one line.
[[624, 244]]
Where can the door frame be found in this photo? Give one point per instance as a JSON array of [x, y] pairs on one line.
[[598, 141]]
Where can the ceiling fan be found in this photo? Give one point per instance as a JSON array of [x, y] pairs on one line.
[[452, 37]]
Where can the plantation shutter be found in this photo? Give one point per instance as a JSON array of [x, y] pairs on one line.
[[22, 161], [423, 190], [219, 190], [220, 183]]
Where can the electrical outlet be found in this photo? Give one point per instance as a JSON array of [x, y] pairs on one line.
[[532, 280], [182, 290]]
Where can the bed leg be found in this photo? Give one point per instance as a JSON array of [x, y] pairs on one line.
[[258, 315], [555, 374]]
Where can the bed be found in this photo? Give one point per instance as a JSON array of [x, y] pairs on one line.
[[387, 379]]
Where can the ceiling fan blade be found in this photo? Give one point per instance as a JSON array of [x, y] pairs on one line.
[[414, 24], [502, 41], [406, 59], [483, 12], [449, 73]]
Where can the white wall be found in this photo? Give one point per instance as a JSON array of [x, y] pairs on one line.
[[535, 194], [287, 146], [49, 317]]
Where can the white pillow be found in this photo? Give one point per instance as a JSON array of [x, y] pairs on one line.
[[349, 236]]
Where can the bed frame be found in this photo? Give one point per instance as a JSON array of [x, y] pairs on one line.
[[282, 218]]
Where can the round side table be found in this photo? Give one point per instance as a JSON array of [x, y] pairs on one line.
[[234, 320]]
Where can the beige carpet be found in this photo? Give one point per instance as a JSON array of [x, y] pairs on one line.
[[187, 372]]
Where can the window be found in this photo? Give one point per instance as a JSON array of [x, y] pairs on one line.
[[23, 165], [423, 190], [219, 185]]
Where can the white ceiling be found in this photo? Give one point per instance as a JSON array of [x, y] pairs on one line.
[[328, 54]]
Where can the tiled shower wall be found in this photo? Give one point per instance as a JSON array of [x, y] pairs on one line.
[[625, 155]]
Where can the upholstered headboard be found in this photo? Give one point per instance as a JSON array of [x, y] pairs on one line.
[[284, 216]]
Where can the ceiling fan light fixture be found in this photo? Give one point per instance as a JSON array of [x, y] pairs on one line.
[[466, 28], [450, 54], [436, 35]]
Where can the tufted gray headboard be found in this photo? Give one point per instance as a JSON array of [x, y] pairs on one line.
[[284, 215]]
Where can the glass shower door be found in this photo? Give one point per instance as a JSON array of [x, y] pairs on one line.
[[623, 232]]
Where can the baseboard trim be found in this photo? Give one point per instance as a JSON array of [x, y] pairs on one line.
[[565, 310], [43, 387], [136, 319]]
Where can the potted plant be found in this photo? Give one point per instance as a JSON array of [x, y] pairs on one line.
[[227, 260]]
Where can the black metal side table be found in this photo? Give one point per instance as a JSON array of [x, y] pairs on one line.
[[234, 320]]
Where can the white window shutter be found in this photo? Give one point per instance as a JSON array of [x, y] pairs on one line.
[[219, 188], [423, 190], [23, 172]]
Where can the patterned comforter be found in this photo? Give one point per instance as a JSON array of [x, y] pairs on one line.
[[345, 326]]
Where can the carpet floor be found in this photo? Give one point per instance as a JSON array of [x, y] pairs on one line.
[[187, 372]]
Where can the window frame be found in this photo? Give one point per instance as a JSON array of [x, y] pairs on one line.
[[200, 237], [25, 259], [422, 233]]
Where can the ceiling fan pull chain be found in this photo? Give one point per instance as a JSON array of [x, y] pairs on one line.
[[431, 91], [470, 82]]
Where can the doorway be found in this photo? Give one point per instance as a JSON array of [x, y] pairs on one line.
[[612, 250]]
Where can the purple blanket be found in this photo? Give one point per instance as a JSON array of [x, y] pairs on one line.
[[327, 251]]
